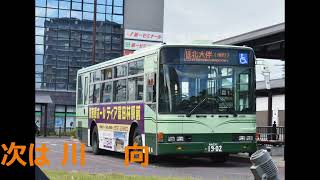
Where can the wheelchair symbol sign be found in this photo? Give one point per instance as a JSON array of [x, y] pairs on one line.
[[243, 58]]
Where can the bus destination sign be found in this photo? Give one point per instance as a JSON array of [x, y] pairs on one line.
[[200, 55], [214, 55]]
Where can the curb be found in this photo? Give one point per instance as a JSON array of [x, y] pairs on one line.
[[53, 137]]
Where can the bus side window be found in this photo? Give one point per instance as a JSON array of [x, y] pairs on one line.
[[80, 90], [86, 90], [151, 87], [154, 88]]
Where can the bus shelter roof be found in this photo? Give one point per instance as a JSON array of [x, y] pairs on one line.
[[43, 98]]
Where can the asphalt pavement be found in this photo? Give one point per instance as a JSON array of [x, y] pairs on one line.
[[237, 168]]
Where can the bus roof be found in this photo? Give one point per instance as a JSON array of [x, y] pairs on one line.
[[151, 49]]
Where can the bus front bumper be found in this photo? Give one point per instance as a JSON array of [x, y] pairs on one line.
[[204, 148]]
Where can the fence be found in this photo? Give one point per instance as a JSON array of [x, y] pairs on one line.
[[270, 135]]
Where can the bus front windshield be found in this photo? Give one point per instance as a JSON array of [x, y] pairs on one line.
[[221, 88]]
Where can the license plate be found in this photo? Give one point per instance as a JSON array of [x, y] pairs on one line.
[[214, 147]]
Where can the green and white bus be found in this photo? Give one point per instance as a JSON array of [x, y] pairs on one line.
[[176, 99]]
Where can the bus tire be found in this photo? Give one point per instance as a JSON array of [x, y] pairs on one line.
[[137, 138], [95, 141]]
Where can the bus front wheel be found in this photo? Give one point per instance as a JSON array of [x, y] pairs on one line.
[[95, 141], [137, 137]]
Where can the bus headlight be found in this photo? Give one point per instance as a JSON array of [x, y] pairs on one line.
[[180, 138], [242, 138], [171, 138], [249, 138]]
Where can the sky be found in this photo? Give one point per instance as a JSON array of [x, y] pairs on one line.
[[190, 20]]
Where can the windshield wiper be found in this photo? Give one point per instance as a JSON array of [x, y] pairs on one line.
[[189, 113], [231, 110]]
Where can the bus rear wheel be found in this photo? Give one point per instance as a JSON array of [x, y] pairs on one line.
[[95, 141]]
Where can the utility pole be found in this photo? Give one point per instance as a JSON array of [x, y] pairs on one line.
[[94, 33], [266, 74]]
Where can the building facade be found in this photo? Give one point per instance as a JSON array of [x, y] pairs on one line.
[[64, 36], [64, 44]]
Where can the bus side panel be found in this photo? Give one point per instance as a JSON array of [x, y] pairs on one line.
[[82, 110], [114, 122], [150, 126], [150, 70]]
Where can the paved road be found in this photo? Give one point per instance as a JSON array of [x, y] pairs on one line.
[[201, 168]]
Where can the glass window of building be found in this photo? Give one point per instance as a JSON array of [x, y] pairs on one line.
[[88, 7], [38, 77], [117, 10], [87, 16], [39, 59], [101, 8], [52, 3], [64, 13], [41, 3], [60, 108], [117, 19], [39, 68], [118, 2], [52, 13], [76, 6], [70, 117], [88, 1], [64, 5], [109, 2], [40, 12], [60, 118], [38, 107], [100, 17], [71, 109], [40, 21], [101, 2], [77, 15], [64, 29], [80, 90], [109, 10]]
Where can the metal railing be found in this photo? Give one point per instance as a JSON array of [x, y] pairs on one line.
[[271, 135]]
